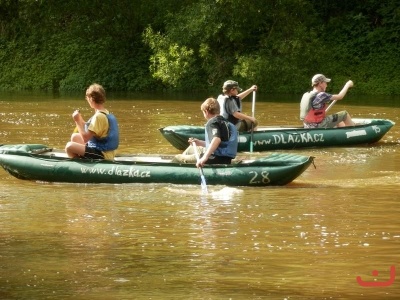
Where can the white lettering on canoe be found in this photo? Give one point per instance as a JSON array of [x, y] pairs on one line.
[[263, 142], [376, 129], [355, 133], [117, 171], [304, 137], [257, 178], [242, 139]]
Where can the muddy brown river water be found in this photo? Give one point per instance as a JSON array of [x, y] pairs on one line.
[[307, 240]]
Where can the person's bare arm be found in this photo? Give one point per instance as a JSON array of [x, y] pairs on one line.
[[210, 150], [241, 116], [343, 92], [247, 92], [197, 142], [80, 125]]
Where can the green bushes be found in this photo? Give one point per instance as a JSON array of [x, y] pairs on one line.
[[133, 45]]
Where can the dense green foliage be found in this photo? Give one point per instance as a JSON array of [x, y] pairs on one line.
[[137, 45]]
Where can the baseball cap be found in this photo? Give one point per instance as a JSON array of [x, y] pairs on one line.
[[230, 84], [319, 78]]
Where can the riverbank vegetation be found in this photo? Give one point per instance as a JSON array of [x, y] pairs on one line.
[[183, 45]]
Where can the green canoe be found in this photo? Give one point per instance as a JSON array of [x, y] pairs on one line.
[[367, 131], [41, 163]]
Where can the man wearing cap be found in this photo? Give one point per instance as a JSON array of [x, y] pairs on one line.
[[313, 105], [231, 105]]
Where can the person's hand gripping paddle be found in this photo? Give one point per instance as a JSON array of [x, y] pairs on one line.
[[203, 179]]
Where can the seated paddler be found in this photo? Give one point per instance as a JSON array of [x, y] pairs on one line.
[[230, 102], [221, 138], [314, 104], [98, 138]]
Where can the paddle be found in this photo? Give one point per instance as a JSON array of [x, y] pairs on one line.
[[203, 179], [252, 124], [330, 105]]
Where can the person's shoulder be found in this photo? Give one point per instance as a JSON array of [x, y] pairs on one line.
[[216, 120], [101, 115], [323, 96], [220, 118], [103, 112], [221, 121], [233, 99]]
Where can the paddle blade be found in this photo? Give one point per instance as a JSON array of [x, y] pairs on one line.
[[203, 184], [203, 179], [251, 137]]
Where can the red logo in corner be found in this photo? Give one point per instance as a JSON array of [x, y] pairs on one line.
[[378, 283]]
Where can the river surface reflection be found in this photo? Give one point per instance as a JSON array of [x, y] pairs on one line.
[[307, 240]]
